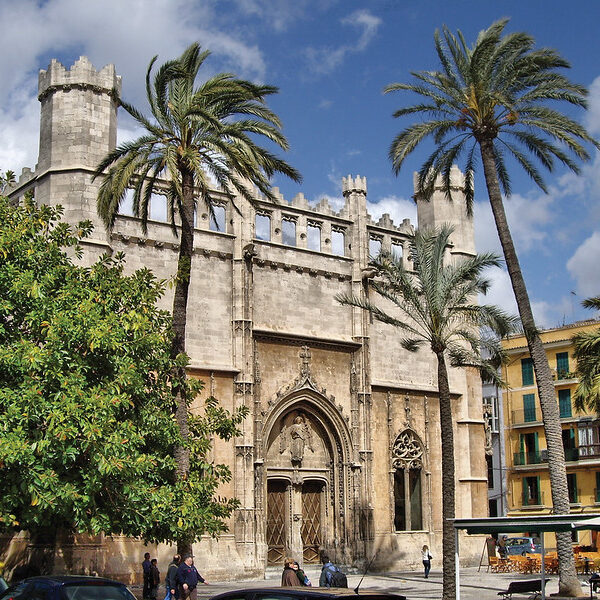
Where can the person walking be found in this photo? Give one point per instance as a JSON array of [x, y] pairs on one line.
[[188, 578], [289, 577], [170, 579], [146, 566], [426, 560], [154, 579]]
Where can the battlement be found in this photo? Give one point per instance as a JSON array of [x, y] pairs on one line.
[[351, 184], [82, 74], [457, 179]]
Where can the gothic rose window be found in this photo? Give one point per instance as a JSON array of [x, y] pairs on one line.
[[407, 461]]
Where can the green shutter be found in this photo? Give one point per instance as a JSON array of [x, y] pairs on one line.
[[564, 402], [539, 490], [525, 494], [527, 371], [562, 364], [529, 407]]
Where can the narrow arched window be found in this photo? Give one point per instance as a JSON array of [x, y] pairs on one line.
[[407, 463]]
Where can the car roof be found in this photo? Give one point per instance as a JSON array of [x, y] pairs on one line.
[[65, 579], [309, 592]]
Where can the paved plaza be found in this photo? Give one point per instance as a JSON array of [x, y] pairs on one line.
[[475, 584]]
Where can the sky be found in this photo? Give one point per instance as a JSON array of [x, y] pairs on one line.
[[331, 60]]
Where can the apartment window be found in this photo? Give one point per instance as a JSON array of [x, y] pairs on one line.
[[262, 225], [572, 487], [288, 232], [562, 365], [529, 446], [338, 242], [529, 408], [589, 439], [217, 218], [374, 247], [569, 445], [531, 491], [313, 237], [527, 371], [564, 403], [490, 471]]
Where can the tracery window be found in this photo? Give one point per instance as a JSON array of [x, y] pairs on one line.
[[407, 461]]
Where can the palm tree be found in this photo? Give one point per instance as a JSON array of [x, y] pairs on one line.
[[495, 97], [587, 355], [196, 135], [432, 306]]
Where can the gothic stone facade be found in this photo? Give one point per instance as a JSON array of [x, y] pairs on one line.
[[341, 450]]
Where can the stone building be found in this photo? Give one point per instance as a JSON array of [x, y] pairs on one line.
[[341, 449]]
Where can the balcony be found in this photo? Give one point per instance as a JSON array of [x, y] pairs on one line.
[[571, 453], [522, 417], [521, 459], [589, 451]]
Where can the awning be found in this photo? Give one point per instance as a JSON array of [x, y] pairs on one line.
[[532, 523]]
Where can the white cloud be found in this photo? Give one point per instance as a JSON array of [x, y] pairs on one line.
[[528, 218], [325, 60], [583, 266], [126, 33], [592, 115]]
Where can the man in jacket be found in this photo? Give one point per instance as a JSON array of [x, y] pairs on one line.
[[188, 579], [328, 566], [170, 580]]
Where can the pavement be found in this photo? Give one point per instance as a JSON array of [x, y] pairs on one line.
[[475, 584]]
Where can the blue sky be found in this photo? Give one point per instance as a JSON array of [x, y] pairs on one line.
[[331, 60]]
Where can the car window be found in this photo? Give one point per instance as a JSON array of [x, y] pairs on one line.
[[96, 592], [40, 590], [276, 596], [16, 592]]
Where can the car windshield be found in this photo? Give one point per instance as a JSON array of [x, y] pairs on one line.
[[96, 591]]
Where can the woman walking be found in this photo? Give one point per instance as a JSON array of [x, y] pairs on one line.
[[426, 561]]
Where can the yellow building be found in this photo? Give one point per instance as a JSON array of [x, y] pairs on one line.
[[526, 458]]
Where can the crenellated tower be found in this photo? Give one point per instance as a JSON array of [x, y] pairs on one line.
[[78, 127], [441, 209]]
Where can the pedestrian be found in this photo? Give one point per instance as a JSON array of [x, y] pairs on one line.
[[188, 578], [170, 583], [146, 565], [289, 578], [154, 579], [426, 560], [502, 546], [331, 576], [302, 576]]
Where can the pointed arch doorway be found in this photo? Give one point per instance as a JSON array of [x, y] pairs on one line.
[[303, 476]]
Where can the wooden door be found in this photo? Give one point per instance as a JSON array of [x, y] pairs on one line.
[[312, 536], [277, 494]]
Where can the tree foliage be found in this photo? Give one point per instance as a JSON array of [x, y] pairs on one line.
[[587, 355], [87, 432]]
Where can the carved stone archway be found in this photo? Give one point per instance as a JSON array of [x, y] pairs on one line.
[[307, 446]]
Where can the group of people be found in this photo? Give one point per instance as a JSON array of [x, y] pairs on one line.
[[180, 583], [293, 575]]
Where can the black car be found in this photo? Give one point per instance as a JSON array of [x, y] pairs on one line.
[[67, 587], [304, 593]]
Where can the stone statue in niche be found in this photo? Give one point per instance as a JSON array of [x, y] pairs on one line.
[[297, 437]]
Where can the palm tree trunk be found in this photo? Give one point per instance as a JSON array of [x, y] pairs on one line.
[[568, 583], [180, 300], [448, 481]]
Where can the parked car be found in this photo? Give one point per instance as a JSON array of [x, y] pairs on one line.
[[304, 593], [523, 545], [67, 587]]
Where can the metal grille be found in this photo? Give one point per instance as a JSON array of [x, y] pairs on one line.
[[276, 530], [311, 520]]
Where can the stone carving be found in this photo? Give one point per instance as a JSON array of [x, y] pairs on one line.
[[407, 452], [297, 437], [487, 417]]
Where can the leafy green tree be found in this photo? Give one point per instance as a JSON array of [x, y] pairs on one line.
[[195, 136], [495, 98], [587, 355], [433, 307], [87, 433], [6, 180]]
